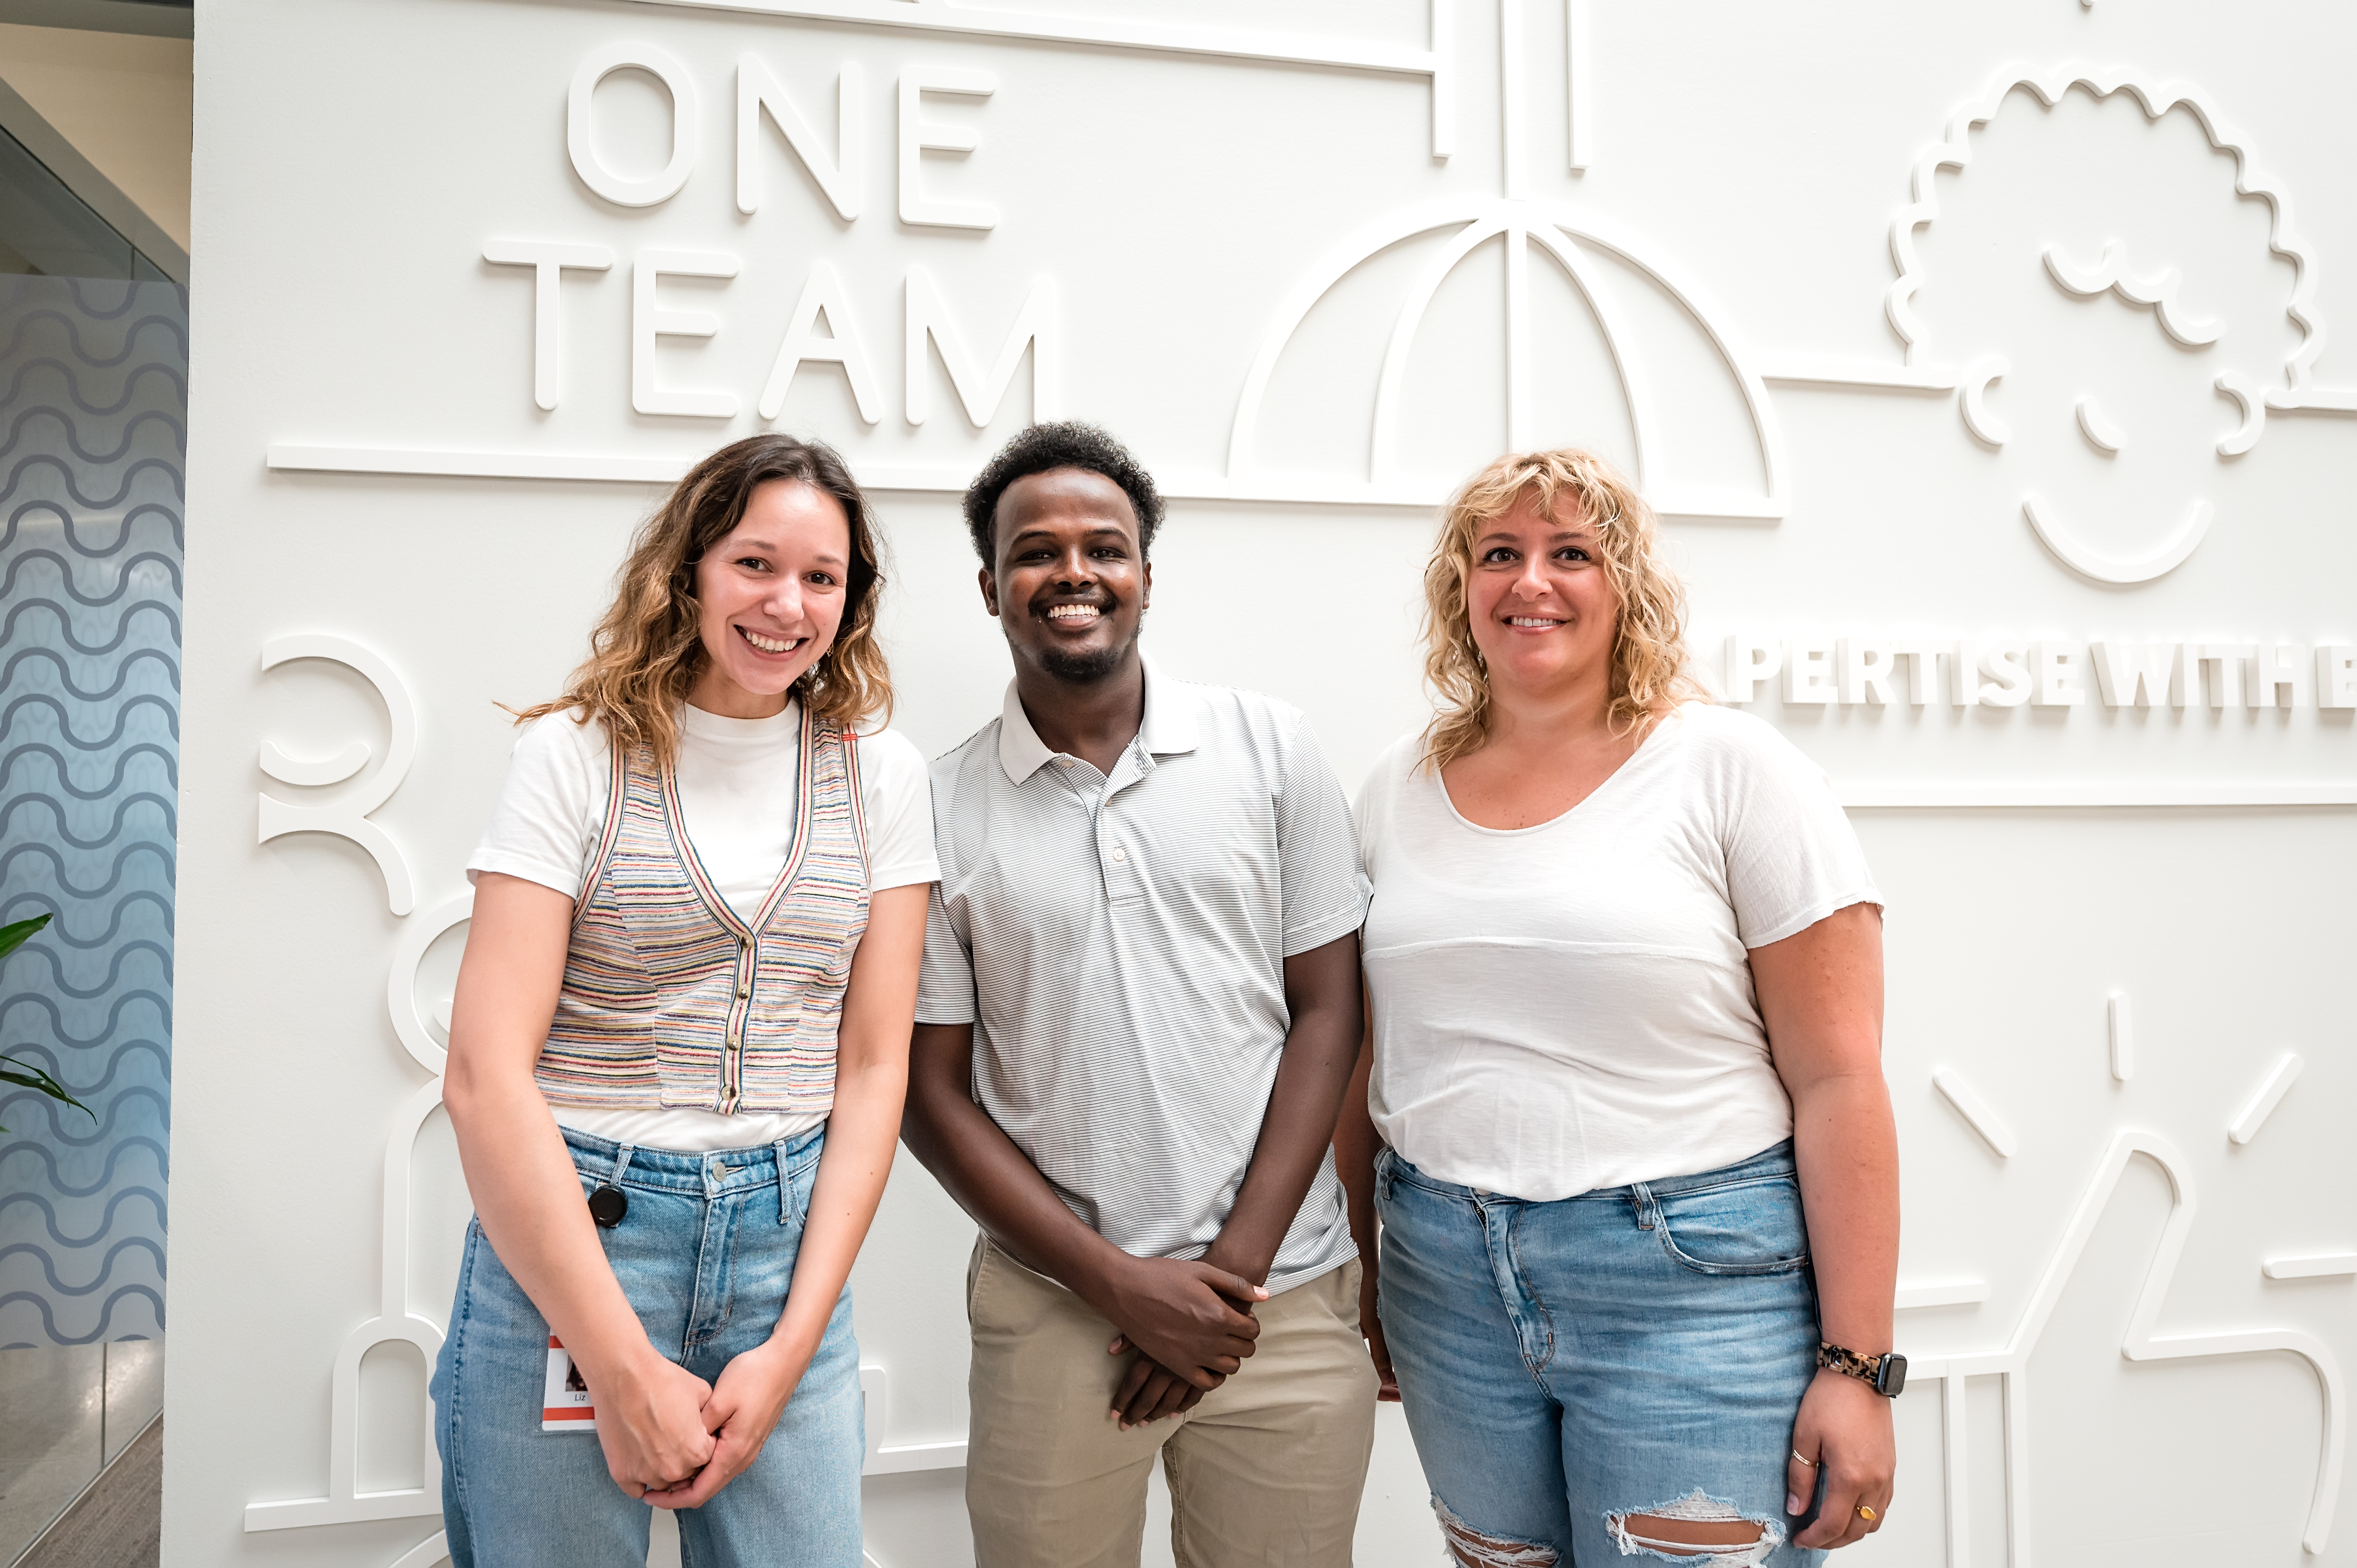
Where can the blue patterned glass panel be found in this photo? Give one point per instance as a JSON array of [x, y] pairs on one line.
[[94, 439]]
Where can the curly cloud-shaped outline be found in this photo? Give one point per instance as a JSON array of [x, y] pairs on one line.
[[2157, 99]]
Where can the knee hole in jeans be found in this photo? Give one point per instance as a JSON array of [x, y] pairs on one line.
[[1696, 1527], [1470, 1547]]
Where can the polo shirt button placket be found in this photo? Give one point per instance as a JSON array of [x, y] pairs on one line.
[[1019, 820], [1120, 874]]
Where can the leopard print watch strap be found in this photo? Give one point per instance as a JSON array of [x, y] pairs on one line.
[[1866, 1369]]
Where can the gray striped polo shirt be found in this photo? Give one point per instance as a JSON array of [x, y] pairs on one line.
[[1119, 945]]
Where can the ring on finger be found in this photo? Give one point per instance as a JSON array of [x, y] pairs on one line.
[[1797, 1456], [1867, 1513]]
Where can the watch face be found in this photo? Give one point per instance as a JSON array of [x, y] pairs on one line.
[[1892, 1378]]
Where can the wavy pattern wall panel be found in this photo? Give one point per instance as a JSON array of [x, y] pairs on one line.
[[93, 438]]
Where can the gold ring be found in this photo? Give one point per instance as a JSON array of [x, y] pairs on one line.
[[1811, 1464], [1866, 1513]]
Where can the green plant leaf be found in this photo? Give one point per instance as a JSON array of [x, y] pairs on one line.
[[34, 1078], [12, 937]]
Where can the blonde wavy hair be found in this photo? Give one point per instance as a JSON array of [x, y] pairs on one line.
[[649, 649], [1649, 658]]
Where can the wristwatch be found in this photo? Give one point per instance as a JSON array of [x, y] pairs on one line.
[[1886, 1374]]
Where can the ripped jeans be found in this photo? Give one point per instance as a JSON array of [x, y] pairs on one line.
[[1638, 1350]]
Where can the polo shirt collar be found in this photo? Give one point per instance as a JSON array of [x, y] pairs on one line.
[[1021, 752], [1169, 727]]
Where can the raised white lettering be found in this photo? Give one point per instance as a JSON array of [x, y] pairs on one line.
[[822, 296], [581, 147], [1923, 656], [1035, 328], [2224, 662], [2278, 675], [1866, 670], [2054, 679], [2007, 663], [2336, 675], [649, 321], [917, 138], [1751, 657], [758, 89], [547, 260], [1809, 670], [2136, 674]]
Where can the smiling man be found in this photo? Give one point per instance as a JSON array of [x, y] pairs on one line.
[[1139, 1009]]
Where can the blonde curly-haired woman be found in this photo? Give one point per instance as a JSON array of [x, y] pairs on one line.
[[1625, 1125], [679, 1048]]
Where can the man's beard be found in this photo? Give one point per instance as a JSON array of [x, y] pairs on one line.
[[1086, 669]]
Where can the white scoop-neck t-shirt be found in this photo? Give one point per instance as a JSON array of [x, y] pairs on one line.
[[1569, 1007], [739, 786]]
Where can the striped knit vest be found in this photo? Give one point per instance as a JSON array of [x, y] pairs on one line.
[[672, 1000]]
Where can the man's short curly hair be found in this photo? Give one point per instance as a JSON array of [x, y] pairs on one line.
[[1064, 444]]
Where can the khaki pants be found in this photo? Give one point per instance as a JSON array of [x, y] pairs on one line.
[[1266, 1471]]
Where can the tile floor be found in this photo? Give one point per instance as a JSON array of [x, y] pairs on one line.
[[70, 1410]]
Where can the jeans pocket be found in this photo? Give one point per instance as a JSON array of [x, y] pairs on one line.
[[794, 1194], [1748, 1228]]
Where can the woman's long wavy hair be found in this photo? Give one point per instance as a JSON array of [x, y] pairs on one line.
[[648, 649], [1649, 673]]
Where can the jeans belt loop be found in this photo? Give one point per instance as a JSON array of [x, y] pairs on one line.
[[1649, 1210], [622, 1163], [785, 1182]]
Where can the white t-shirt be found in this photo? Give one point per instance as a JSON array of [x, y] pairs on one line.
[[737, 791], [1569, 1007]]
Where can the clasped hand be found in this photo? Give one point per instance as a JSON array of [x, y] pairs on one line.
[[1192, 1326], [673, 1440], [1845, 1427]]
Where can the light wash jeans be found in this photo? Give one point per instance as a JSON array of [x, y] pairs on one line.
[[1637, 1350], [705, 1254]]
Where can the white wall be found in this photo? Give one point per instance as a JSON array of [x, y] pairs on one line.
[[363, 377]]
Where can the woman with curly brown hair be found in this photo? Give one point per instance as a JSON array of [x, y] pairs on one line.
[[680, 1044], [1624, 1121]]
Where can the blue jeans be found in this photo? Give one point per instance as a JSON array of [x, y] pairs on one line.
[[705, 1253], [1639, 1351]]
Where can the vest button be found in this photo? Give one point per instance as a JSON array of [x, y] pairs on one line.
[[744, 990]]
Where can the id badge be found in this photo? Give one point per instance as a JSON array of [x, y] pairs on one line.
[[565, 1403]]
